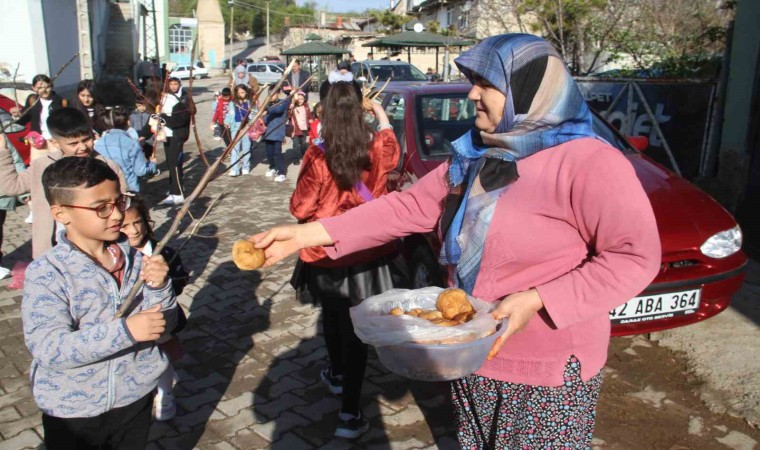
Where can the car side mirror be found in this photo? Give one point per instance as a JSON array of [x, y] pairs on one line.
[[640, 143]]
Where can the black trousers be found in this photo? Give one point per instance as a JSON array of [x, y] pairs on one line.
[[348, 354], [173, 148], [3, 213], [124, 428], [299, 144]]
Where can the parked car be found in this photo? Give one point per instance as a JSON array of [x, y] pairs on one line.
[[15, 132], [182, 71], [266, 72], [396, 71], [702, 261]]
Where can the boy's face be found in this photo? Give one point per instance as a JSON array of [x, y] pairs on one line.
[[174, 86], [86, 224], [74, 146], [139, 107]]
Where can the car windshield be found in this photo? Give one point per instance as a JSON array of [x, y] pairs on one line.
[[441, 119], [7, 122], [396, 72]]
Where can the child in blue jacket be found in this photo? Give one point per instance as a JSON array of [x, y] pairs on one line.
[[117, 145], [275, 119]]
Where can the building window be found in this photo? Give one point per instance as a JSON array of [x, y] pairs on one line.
[[449, 18], [179, 39], [464, 19]]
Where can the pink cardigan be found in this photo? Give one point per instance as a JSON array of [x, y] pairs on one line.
[[576, 225]]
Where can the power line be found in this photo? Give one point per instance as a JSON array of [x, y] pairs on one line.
[[271, 11]]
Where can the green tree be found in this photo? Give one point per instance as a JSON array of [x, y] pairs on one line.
[[392, 23]]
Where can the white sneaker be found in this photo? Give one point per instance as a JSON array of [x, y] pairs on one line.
[[164, 407], [279, 178], [29, 218], [246, 171], [173, 200], [270, 173], [234, 174], [4, 273]]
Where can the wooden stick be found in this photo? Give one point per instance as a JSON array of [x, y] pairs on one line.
[[129, 303]]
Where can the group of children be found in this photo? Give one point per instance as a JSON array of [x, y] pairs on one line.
[[97, 379], [283, 119], [93, 377]]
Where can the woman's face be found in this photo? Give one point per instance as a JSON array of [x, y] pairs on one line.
[[489, 103], [86, 98], [43, 89], [135, 228]]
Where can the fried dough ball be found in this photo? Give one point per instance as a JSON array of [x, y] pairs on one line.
[[397, 311], [464, 317], [452, 302], [415, 312], [445, 322], [431, 315], [246, 256]]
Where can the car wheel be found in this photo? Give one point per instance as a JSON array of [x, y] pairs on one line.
[[198, 77], [424, 270]]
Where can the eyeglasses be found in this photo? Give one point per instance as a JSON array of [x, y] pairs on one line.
[[105, 210]]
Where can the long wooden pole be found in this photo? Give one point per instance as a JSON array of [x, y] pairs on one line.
[[130, 303]]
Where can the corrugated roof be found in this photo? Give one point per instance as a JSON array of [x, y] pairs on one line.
[[415, 39], [314, 48]]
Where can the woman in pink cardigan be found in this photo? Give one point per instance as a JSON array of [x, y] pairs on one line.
[[536, 213]]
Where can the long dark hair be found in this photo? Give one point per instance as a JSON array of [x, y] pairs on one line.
[[346, 135]]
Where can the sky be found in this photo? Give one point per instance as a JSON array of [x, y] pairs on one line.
[[352, 5]]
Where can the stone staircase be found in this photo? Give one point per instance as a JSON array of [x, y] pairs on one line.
[[120, 43]]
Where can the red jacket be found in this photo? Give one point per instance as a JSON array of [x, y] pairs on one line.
[[296, 129], [314, 130], [317, 196], [221, 111]]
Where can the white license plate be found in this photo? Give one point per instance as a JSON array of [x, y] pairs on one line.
[[657, 306]]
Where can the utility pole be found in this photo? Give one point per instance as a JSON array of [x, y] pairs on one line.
[[231, 4], [267, 54], [85, 47]]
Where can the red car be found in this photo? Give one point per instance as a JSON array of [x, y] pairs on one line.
[[15, 132], [702, 262]]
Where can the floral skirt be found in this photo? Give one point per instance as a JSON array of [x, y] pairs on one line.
[[493, 414]]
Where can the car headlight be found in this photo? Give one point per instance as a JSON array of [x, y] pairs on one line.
[[723, 244]]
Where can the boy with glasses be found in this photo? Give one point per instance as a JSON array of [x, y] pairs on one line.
[[92, 376]]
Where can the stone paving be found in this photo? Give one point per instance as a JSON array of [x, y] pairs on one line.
[[250, 375]]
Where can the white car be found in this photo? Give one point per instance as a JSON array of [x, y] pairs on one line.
[[266, 72], [183, 71]]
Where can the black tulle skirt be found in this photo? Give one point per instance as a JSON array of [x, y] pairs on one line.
[[355, 282]]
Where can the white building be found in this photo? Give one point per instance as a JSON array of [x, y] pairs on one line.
[[39, 36]]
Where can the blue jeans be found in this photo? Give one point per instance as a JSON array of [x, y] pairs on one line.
[[242, 148], [274, 156]]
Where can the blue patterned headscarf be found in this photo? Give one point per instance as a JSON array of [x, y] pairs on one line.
[[543, 108]]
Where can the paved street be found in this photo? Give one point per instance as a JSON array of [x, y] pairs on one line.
[[250, 376]]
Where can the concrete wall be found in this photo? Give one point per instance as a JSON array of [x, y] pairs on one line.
[[19, 21], [60, 28], [210, 33]]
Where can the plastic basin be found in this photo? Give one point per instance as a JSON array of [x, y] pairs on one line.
[[438, 362]]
